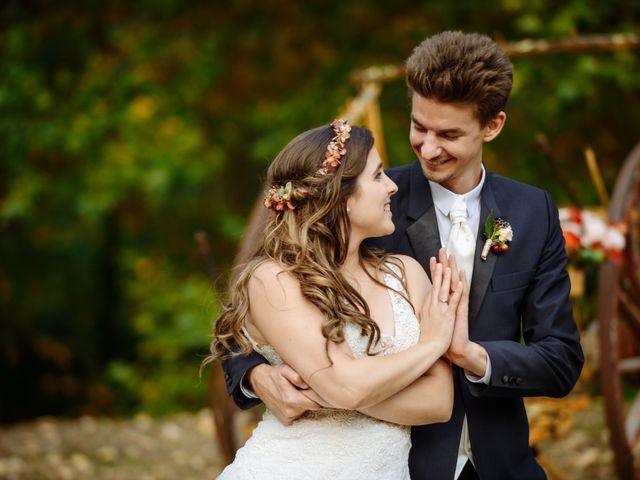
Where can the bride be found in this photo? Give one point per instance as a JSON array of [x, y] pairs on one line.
[[365, 330]]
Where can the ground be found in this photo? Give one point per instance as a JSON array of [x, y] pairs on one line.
[[583, 451], [181, 447], [184, 447]]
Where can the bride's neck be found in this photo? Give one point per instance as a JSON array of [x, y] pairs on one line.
[[353, 267]]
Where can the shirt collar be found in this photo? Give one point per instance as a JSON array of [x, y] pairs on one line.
[[443, 199]]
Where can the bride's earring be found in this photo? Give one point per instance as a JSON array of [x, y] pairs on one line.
[[348, 210]]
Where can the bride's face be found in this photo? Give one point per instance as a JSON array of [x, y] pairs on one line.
[[370, 205]]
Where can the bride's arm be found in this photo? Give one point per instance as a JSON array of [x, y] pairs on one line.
[[427, 400], [285, 319]]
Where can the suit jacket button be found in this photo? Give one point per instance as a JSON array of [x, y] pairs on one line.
[[505, 379], [518, 381], [512, 380]]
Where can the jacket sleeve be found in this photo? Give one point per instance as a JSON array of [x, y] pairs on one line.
[[235, 368], [549, 361]]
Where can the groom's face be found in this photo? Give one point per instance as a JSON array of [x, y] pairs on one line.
[[447, 139]]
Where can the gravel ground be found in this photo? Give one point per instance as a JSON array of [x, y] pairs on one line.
[[180, 447], [183, 447]]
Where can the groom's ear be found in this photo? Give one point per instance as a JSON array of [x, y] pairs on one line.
[[494, 126]]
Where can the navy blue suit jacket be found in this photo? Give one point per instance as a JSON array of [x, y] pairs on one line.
[[521, 294]]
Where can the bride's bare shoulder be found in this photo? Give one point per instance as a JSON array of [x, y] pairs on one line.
[[416, 279], [412, 270], [273, 282], [271, 271]]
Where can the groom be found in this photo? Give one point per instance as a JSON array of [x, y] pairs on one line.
[[520, 339]]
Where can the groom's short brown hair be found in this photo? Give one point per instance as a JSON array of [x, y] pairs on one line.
[[463, 68]]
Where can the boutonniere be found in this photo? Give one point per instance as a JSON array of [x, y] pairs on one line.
[[498, 232]]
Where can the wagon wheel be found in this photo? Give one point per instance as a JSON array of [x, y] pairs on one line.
[[619, 325]]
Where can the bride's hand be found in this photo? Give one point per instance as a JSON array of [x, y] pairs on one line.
[[438, 312], [450, 260]]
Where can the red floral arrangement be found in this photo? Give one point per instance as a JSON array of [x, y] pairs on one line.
[[588, 238]]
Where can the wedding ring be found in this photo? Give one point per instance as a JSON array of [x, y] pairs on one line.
[[444, 301]]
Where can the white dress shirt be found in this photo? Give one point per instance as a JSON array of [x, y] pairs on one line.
[[443, 200]]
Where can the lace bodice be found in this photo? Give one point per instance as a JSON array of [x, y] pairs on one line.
[[331, 443]]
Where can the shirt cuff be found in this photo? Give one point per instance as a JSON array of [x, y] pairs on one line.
[[246, 391], [475, 378]]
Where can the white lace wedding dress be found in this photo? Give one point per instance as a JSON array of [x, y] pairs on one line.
[[332, 444]]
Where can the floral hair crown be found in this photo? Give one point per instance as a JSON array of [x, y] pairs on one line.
[[335, 149], [278, 198]]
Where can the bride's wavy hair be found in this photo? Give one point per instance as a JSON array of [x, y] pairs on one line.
[[310, 241]]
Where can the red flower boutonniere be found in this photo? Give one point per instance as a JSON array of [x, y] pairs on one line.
[[498, 232]]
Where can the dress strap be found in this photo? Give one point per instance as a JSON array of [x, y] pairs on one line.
[[265, 350], [391, 280]]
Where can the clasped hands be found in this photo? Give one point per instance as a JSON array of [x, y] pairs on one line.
[[468, 355], [462, 352]]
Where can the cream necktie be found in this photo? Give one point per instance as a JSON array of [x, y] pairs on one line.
[[462, 242]]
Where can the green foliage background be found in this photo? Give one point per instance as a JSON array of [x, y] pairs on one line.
[[126, 127]]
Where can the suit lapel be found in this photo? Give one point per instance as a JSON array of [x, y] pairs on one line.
[[482, 269], [423, 233], [425, 238]]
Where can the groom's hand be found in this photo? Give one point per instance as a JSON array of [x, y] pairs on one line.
[[468, 355], [279, 387]]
